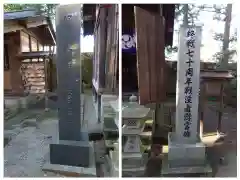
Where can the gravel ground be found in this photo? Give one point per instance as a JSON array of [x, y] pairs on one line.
[[28, 149], [27, 152]]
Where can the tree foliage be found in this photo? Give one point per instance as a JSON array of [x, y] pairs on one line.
[[221, 15], [193, 15], [45, 9], [13, 7]]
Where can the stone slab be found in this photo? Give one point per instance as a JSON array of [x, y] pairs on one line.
[[70, 171], [133, 172], [185, 171], [72, 153], [109, 124], [29, 122]]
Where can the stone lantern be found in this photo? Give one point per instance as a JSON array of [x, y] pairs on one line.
[[133, 118]]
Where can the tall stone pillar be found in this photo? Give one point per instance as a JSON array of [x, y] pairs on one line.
[[186, 152], [73, 147]]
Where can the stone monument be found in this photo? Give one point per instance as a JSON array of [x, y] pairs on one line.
[[186, 152], [73, 147], [133, 118]]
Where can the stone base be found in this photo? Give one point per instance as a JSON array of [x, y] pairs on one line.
[[70, 171], [133, 172], [72, 153], [133, 164], [181, 155], [204, 170], [185, 159]]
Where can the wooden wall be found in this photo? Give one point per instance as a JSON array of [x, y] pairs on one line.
[[12, 76], [111, 80], [151, 64], [105, 62], [29, 42], [17, 42]]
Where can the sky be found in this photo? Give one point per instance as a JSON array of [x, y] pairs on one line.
[[210, 46], [87, 44], [209, 26]]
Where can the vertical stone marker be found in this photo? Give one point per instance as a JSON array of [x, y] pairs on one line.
[[188, 75], [73, 148], [186, 151]]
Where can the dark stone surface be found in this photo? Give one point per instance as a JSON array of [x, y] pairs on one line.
[[73, 149], [6, 140], [71, 153], [68, 30], [110, 129]]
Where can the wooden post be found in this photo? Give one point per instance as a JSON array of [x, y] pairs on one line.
[[46, 83], [30, 43], [150, 45], [219, 125], [202, 107]]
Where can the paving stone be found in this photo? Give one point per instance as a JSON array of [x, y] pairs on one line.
[[25, 154]]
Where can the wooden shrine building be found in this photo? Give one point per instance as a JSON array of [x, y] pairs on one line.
[[29, 41], [101, 21]]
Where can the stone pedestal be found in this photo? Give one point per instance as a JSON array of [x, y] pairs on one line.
[[186, 152], [133, 116], [71, 153]]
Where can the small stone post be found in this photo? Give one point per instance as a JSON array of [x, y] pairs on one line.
[[114, 155]]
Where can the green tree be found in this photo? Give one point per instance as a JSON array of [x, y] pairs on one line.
[[13, 7], [226, 54], [45, 9], [192, 11]]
